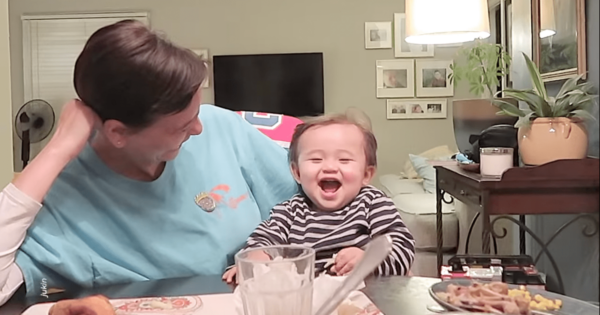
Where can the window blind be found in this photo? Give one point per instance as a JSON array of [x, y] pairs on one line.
[[51, 45]]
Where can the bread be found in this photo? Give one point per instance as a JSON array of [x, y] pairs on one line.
[[91, 305]]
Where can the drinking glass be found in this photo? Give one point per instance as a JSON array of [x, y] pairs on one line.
[[276, 280]]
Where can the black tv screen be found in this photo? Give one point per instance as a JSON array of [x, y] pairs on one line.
[[289, 84]]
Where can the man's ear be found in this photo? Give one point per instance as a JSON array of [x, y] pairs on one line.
[[295, 172], [369, 173], [116, 132]]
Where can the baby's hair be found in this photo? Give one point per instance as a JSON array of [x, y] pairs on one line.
[[370, 144]]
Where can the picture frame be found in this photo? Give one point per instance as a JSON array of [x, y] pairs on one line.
[[395, 78], [203, 54], [563, 54], [418, 108], [378, 35], [402, 49], [432, 78]]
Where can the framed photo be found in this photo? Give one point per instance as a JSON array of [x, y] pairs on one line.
[[432, 78], [560, 49], [203, 54], [403, 49], [378, 35], [395, 78], [417, 108]]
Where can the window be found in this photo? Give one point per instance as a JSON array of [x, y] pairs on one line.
[[51, 44]]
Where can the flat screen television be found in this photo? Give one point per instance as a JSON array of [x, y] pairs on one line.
[[289, 84]]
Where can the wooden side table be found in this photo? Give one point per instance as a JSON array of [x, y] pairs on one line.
[[559, 187]]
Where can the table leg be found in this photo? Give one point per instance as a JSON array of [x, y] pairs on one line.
[[487, 226], [522, 248], [438, 216]]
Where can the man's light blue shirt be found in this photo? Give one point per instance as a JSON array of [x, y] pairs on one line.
[[98, 228]]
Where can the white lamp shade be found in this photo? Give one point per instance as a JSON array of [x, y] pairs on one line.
[[446, 22], [547, 22]]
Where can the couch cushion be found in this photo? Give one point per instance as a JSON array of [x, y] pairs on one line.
[[394, 185], [419, 214]]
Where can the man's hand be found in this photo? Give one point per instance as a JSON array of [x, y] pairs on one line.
[[346, 259], [76, 124], [92, 305]]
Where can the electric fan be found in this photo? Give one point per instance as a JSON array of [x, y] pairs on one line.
[[33, 123]]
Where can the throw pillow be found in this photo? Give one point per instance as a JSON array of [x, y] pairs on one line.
[[425, 171], [442, 152]]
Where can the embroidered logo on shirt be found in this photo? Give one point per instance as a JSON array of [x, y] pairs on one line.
[[218, 195], [206, 202]]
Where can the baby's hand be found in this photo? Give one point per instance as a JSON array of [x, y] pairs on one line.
[[230, 275], [346, 259], [259, 255]]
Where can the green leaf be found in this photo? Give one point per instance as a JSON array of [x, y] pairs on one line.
[[525, 121], [583, 114], [527, 111], [569, 86], [508, 108], [588, 106], [574, 92], [583, 101], [516, 90], [483, 66], [535, 102], [536, 78], [561, 109], [586, 87], [577, 101]]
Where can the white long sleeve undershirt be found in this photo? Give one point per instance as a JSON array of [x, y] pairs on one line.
[[17, 212]]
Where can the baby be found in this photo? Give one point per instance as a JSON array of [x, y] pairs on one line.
[[333, 158]]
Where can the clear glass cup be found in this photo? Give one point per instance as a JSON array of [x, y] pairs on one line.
[[276, 280]]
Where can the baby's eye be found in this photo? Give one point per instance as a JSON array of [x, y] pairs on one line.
[[345, 160], [315, 160]]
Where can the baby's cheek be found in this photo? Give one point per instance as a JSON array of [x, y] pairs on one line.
[[356, 172]]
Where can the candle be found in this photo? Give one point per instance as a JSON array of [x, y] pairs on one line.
[[495, 161]]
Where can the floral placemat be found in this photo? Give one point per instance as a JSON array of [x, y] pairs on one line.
[[222, 304]]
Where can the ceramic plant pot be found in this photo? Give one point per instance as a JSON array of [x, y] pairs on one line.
[[551, 139]]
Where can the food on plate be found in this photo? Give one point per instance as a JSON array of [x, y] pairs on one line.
[[91, 305], [348, 308], [538, 302], [496, 298]]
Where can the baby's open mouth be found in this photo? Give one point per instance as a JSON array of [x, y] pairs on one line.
[[330, 185]]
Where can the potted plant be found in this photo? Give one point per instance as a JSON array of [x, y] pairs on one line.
[[485, 65], [552, 127]]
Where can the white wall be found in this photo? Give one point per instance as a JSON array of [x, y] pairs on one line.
[[6, 146], [334, 27]]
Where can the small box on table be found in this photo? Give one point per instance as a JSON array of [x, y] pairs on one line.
[[511, 269]]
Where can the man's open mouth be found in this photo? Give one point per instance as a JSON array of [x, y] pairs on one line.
[[330, 185]]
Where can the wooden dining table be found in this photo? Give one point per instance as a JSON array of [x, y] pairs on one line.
[[392, 295]]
